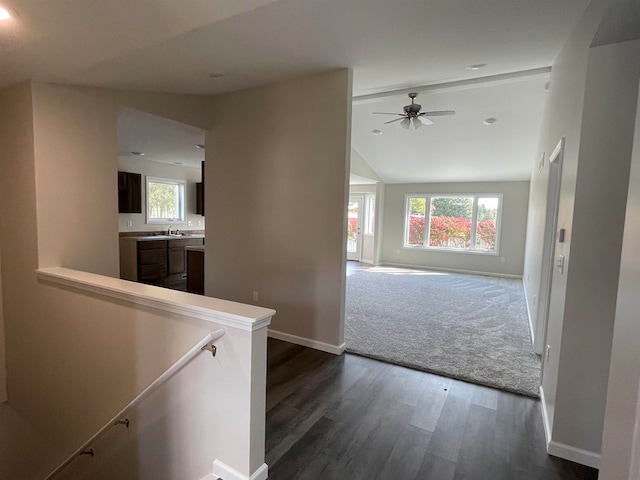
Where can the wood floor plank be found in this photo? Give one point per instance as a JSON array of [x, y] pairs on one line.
[[434, 467], [486, 397], [449, 431], [353, 418], [407, 455], [432, 400]]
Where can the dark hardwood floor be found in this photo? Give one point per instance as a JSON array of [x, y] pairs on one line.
[[349, 417]]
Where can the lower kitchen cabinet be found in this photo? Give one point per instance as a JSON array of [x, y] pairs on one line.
[[156, 261]]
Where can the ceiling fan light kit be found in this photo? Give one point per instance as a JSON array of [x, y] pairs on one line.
[[413, 118]]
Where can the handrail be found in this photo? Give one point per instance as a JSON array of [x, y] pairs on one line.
[[205, 344]]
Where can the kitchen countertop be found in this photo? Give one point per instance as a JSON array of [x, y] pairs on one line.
[[162, 237]]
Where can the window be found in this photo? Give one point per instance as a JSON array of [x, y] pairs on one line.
[[165, 200], [370, 214], [453, 222]]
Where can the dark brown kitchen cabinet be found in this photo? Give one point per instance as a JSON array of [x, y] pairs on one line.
[[152, 261], [195, 269], [160, 262], [199, 198], [129, 192], [178, 255]]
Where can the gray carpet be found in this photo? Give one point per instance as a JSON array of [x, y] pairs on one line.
[[469, 327]]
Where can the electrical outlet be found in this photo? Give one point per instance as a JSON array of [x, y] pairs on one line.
[[199, 223], [255, 296], [548, 351], [502, 259], [190, 223], [129, 223], [535, 298]]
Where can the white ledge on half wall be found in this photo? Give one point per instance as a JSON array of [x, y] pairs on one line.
[[222, 312]]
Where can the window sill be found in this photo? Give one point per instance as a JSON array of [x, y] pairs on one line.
[[450, 250]]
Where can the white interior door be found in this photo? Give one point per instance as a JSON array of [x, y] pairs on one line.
[[354, 228]]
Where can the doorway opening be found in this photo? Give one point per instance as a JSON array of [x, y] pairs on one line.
[[354, 228]]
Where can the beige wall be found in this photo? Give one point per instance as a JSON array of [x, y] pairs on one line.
[[75, 143], [72, 359], [75, 154], [162, 170], [3, 366], [18, 214], [622, 397], [276, 202], [512, 230]]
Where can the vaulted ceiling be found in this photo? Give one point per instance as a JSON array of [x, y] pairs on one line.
[[213, 47]]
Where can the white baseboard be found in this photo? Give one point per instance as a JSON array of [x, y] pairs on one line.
[[368, 262], [545, 417], [307, 342], [452, 270], [562, 450], [531, 329], [577, 455], [225, 472]]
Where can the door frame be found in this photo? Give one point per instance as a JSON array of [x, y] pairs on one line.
[[357, 255], [549, 245]]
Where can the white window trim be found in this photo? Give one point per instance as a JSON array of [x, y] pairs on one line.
[[428, 197], [182, 210]]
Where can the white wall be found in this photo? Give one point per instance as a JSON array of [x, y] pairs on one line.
[[562, 119], [592, 105], [622, 397], [276, 203], [512, 230], [162, 170], [360, 167], [596, 241]]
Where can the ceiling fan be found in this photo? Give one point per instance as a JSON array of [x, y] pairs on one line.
[[412, 118]]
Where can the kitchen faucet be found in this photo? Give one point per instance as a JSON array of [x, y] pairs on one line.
[[169, 232]]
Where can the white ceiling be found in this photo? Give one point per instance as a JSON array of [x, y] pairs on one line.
[[160, 139], [459, 148], [165, 45]]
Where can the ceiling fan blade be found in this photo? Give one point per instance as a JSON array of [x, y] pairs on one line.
[[425, 120], [385, 113], [440, 113], [395, 120]]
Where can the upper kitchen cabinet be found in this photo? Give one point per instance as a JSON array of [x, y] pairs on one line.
[[199, 198], [129, 192], [200, 192]]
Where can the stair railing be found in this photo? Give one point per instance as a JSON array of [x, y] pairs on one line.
[[207, 343]]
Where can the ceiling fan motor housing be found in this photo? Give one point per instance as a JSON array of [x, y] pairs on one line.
[[413, 109]]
